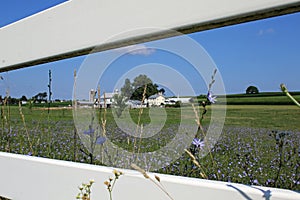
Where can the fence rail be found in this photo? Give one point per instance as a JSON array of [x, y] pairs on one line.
[[26, 177], [60, 33]]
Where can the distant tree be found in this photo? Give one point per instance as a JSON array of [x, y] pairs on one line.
[[119, 104], [23, 98], [151, 89], [11, 100], [252, 90], [177, 104], [127, 89], [162, 90], [138, 94], [40, 97], [44, 96], [135, 90], [140, 81]]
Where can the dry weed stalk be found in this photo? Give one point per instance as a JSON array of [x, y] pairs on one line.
[[157, 178], [5, 115], [103, 119], [139, 126], [285, 90], [75, 107], [25, 127], [99, 96], [74, 90], [203, 174]]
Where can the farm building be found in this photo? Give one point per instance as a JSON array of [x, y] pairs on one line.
[[181, 99], [156, 100], [135, 104], [106, 99]]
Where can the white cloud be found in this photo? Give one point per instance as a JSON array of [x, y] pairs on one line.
[[266, 31], [139, 49]]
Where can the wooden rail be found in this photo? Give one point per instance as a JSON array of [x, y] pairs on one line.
[[76, 27], [25, 177]]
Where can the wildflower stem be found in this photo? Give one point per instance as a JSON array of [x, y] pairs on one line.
[[200, 128], [110, 194], [50, 92], [285, 90]]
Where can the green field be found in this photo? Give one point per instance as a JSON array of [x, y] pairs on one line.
[[265, 98], [275, 117], [283, 117]]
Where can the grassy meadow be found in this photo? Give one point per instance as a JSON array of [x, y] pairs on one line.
[[259, 144]]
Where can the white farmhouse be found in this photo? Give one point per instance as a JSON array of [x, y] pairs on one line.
[[156, 100]]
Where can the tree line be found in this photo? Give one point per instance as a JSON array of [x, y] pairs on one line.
[[38, 98]]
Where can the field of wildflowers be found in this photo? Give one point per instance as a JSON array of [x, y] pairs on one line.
[[243, 154]]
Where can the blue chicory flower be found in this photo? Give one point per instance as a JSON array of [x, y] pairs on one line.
[[89, 132], [198, 143], [101, 140], [211, 98]]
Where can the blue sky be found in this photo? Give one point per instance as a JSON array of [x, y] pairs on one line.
[[263, 53]]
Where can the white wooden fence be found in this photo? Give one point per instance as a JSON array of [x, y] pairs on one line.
[[76, 27], [25, 177]]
